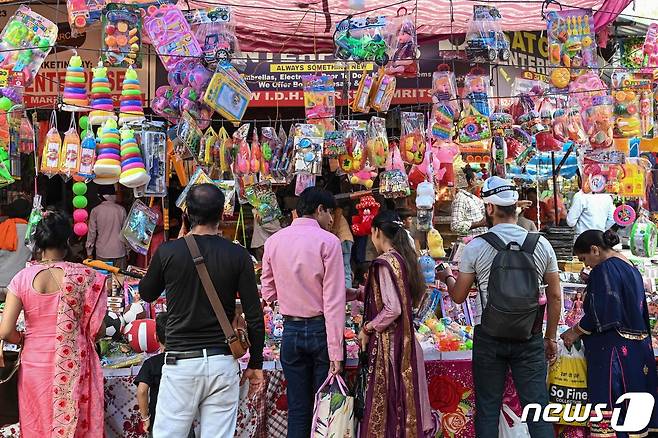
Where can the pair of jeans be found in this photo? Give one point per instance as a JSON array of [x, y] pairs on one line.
[[492, 359], [347, 261], [207, 387], [305, 362]]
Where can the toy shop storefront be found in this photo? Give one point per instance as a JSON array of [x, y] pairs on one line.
[[389, 127]]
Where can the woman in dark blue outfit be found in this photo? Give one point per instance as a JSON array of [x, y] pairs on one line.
[[616, 332]]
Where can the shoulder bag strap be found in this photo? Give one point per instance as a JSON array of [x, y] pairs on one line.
[[493, 240], [209, 288]]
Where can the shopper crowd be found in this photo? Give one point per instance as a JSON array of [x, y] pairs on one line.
[[306, 270]]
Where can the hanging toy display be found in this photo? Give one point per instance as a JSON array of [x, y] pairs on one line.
[[308, 148], [87, 157], [108, 163], [485, 40], [383, 91], [139, 227], [80, 215], [131, 101], [624, 215], [445, 108], [412, 137], [377, 142], [133, 172], [403, 47], [644, 236], [394, 182], [361, 39], [598, 121], [101, 97], [51, 149], [354, 160], [319, 100], [214, 28], [361, 102], [171, 34], [122, 32], [75, 87], [69, 161], [425, 198], [627, 106]]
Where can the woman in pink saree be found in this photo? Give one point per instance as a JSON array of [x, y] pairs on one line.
[[396, 399], [60, 381]]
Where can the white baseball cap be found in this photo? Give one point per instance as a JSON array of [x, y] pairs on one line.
[[499, 191]]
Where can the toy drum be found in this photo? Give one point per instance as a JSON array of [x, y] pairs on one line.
[[643, 239]]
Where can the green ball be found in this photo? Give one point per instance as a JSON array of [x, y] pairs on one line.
[[79, 188], [84, 122], [5, 103], [80, 202]]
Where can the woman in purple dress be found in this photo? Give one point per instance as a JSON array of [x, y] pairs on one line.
[[616, 332], [396, 401]]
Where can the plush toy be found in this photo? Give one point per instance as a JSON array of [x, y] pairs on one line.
[[368, 209], [364, 178], [140, 334], [435, 244], [427, 266]]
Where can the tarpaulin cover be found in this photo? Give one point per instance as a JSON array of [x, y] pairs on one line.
[[307, 26]]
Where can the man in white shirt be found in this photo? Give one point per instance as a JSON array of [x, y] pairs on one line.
[[591, 211]]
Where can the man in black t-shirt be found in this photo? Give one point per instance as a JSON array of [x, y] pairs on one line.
[[200, 374]]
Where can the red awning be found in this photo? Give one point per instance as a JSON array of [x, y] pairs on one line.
[[306, 26]]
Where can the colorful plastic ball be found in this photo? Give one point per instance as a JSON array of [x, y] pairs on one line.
[[5, 103], [80, 229], [80, 215], [79, 188], [79, 202], [84, 122]]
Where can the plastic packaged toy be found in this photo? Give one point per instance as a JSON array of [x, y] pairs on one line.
[[308, 143], [170, 33], [425, 198], [473, 130], [598, 121], [52, 149], [585, 88], [215, 31], [361, 39], [571, 45], [319, 100], [154, 145], [382, 93], [263, 199], [356, 146], [122, 36], [228, 94], [644, 236], [412, 137], [627, 106], [403, 47], [361, 102], [445, 108], [334, 144], [83, 13], [650, 49], [485, 40], [476, 85], [69, 160], [25, 42], [87, 157], [377, 142], [139, 227]]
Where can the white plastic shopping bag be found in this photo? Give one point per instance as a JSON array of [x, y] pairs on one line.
[[518, 429], [333, 414]]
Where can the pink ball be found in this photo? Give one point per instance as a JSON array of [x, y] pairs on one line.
[[80, 215], [80, 229]]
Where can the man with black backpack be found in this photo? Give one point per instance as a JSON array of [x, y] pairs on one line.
[[508, 265]]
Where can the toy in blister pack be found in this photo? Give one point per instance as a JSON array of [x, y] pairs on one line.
[[650, 49], [377, 142], [361, 102], [271, 146], [334, 144], [319, 100], [189, 133], [602, 177], [170, 33], [206, 146], [444, 104], [473, 130], [228, 93], [122, 36], [354, 160], [475, 91], [598, 121], [647, 121], [139, 226], [282, 158], [215, 31], [412, 137], [485, 40], [153, 139], [382, 93], [308, 142], [571, 44], [199, 177], [585, 88], [403, 47], [228, 188], [25, 42], [51, 149], [263, 199], [627, 106], [632, 183], [83, 13], [361, 39], [501, 125]]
